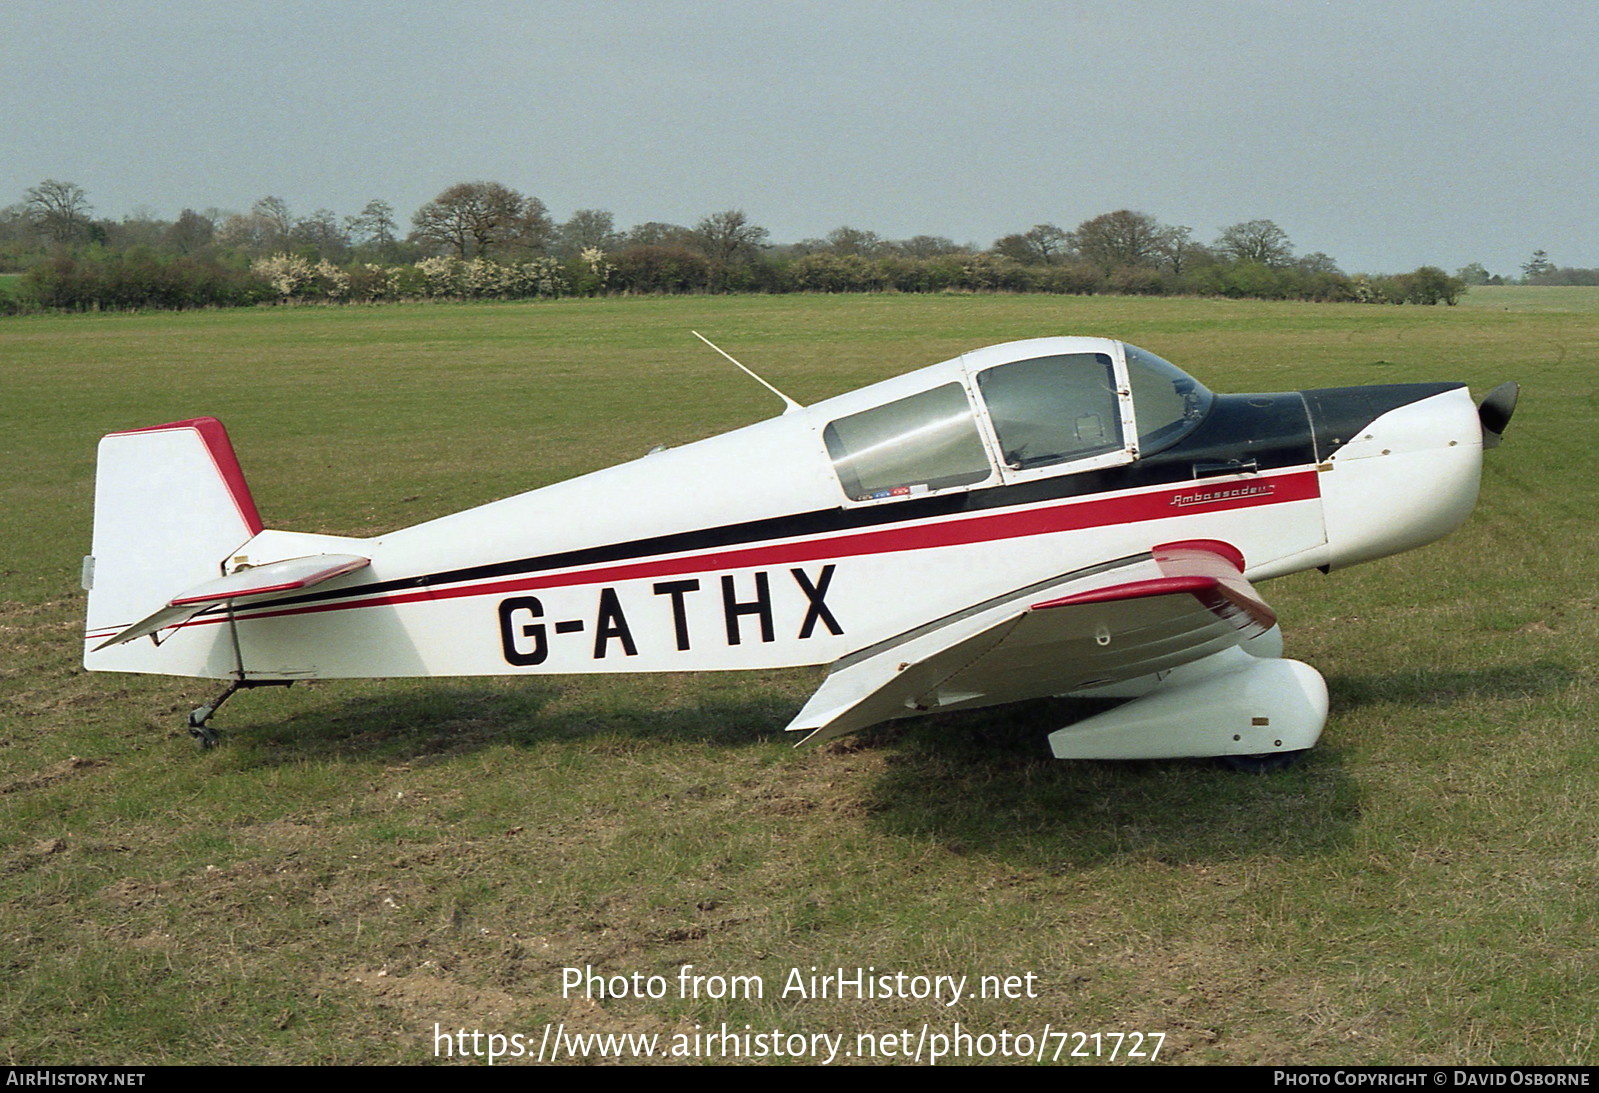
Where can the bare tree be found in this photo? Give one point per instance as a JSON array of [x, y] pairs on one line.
[[654, 233], [1040, 245], [1178, 248], [588, 229], [1318, 262], [375, 225], [190, 232], [321, 230], [59, 210], [265, 229], [1119, 240], [272, 223], [729, 237], [928, 246], [1052, 244], [848, 240], [1259, 241], [240, 232], [1015, 247], [17, 231], [477, 219], [143, 227]]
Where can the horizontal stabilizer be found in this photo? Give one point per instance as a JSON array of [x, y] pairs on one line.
[[289, 575]]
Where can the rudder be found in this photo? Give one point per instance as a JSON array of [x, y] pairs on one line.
[[170, 508]]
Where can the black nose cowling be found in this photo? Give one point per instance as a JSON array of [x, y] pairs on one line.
[[1495, 411], [1339, 415]]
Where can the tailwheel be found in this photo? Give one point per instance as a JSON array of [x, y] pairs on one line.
[[205, 737]]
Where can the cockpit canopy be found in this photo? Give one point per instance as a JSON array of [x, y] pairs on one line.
[[1056, 406]]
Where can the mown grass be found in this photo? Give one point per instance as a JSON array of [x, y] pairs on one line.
[[361, 860]]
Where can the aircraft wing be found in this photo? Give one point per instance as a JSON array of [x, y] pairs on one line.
[[1107, 624]]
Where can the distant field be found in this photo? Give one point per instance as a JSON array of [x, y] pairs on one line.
[[1533, 297], [360, 861], [8, 283]]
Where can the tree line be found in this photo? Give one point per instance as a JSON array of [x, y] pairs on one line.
[[1537, 270], [487, 240]]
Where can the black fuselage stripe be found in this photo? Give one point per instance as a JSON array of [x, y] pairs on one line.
[[1275, 431]]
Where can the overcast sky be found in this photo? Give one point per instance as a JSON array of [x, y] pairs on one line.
[[1388, 134]]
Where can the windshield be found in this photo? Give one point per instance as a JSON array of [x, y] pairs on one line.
[[1168, 403]]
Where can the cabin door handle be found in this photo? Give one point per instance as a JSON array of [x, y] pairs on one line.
[[1231, 466]]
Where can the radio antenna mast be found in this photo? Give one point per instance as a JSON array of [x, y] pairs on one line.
[[789, 405]]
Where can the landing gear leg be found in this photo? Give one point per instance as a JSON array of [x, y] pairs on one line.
[[204, 735]]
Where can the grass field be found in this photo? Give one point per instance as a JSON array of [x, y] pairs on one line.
[[363, 860], [1532, 298]]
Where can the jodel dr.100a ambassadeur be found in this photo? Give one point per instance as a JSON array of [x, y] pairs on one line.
[[1055, 516]]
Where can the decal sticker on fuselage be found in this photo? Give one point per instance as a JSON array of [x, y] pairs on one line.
[[1233, 493]]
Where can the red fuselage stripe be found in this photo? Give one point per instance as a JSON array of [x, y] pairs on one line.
[[1076, 515], [1036, 520]]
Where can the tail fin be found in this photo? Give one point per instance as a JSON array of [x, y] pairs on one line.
[[170, 508]]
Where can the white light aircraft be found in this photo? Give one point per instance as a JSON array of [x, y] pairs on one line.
[[1054, 516]]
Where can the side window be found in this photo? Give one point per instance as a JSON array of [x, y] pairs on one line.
[[928, 441], [1053, 409]]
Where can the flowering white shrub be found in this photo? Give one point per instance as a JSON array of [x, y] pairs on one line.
[[435, 278], [537, 277], [331, 281], [599, 269], [441, 275], [286, 273], [481, 278], [989, 271], [373, 282]]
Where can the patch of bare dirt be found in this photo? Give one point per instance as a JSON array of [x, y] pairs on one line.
[[425, 997], [69, 767], [283, 834]]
